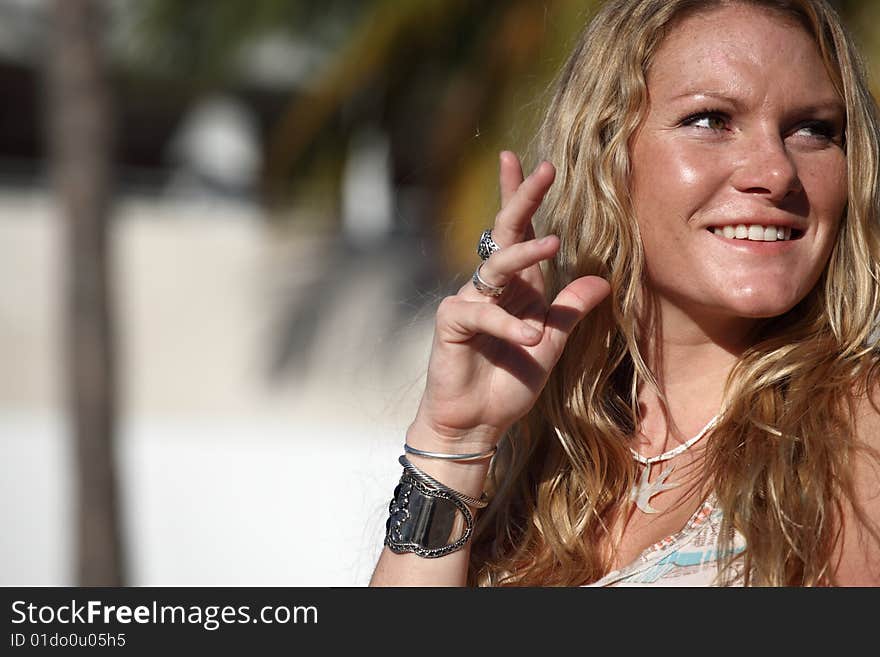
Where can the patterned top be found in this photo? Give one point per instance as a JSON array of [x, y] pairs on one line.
[[686, 558]]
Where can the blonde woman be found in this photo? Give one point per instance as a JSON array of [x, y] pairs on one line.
[[686, 393]]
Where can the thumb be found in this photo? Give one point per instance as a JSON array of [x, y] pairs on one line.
[[570, 306]]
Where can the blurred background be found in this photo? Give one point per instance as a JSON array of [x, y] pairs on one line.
[[224, 228]]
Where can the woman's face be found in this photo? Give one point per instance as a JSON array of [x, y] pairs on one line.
[[738, 171]]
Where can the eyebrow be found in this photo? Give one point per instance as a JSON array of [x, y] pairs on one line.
[[832, 104]]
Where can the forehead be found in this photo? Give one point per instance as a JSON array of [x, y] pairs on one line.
[[739, 46]]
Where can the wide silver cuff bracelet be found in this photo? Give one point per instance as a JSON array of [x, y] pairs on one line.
[[427, 521]]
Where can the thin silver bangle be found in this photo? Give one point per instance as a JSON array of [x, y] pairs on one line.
[[476, 456], [428, 480]]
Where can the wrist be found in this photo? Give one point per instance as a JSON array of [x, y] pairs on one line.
[[469, 477], [457, 457], [423, 436]]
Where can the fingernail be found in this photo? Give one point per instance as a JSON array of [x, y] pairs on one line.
[[545, 240], [530, 332]]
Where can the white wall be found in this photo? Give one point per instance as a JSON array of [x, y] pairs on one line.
[[226, 479]]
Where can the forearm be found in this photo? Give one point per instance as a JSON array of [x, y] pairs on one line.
[[409, 569]]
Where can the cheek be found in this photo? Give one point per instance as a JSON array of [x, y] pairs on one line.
[[671, 182], [826, 186]]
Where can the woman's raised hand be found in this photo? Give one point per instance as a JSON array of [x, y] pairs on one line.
[[491, 356]]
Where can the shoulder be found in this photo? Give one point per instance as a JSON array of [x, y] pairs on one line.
[[866, 420], [859, 549], [866, 407]]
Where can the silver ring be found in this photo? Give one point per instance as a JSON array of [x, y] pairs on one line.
[[486, 246], [485, 288]]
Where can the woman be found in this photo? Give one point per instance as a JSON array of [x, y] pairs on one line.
[[696, 402]]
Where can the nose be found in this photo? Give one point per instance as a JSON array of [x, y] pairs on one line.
[[766, 168]]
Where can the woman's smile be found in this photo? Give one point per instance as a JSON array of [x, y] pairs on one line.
[[738, 169]]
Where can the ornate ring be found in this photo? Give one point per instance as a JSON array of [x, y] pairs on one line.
[[485, 288], [486, 246]]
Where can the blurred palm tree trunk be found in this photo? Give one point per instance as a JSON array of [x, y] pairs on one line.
[[79, 122]]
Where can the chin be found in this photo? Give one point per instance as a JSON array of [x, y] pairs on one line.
[[761, 305]]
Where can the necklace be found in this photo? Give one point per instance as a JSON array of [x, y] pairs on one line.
[[644, 490]]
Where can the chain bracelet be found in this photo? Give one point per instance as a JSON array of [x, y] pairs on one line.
[[427, 479]]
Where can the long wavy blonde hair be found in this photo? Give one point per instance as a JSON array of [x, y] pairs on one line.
[[780, 459]]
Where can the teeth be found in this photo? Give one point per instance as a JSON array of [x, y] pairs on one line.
[[754, 232]]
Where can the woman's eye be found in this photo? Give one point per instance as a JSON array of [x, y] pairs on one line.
[[707, 120], [818, 130]]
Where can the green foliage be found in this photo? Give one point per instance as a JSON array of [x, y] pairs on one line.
[[201, 38], [451, 82]]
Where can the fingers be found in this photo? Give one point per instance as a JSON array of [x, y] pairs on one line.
[[505, 264], [570, 306], [514, 220], [510, 175], [459, 321]]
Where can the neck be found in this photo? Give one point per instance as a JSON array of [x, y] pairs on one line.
[[691, 358]]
